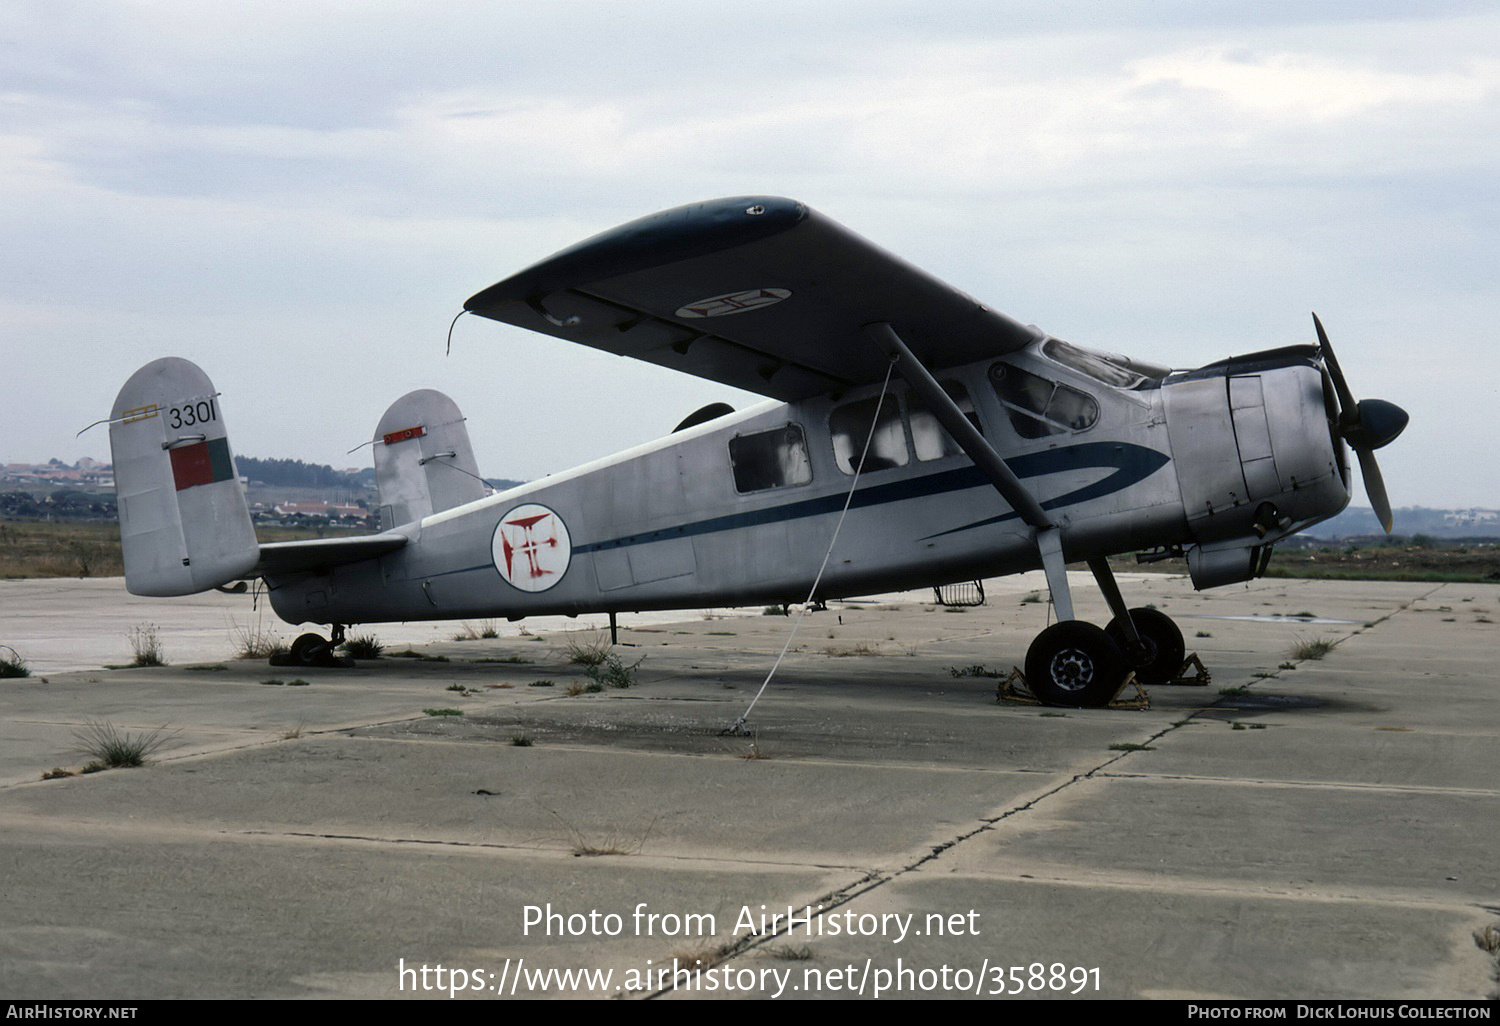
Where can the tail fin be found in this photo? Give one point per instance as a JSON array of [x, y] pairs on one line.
[[424, 463], [184, 525]]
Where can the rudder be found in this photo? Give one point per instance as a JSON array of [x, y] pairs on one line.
[[424, 463]]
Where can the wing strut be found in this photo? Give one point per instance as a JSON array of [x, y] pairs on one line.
[[1048, 539]]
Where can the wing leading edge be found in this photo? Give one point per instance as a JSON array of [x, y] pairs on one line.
[[761, 293]]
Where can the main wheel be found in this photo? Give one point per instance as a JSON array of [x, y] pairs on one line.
[[1074, 663], [310, 649], [1164, 649]]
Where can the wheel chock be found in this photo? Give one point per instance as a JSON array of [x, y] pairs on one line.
[[1015, 690], [1200, 678]]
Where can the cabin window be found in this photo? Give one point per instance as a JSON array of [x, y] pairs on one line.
[[770, 459], [1039, 407], [929, 438], [849, 426]]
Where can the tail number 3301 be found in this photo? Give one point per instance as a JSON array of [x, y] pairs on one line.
[[200, 412]]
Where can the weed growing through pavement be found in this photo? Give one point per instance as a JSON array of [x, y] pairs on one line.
[[1311, 648], [860, 649], [612, 843], [976, 670], [590, 651], [475, 631], [254, 641], [363, 646], [611, 672], [108, 747], [412, 653], [13, 665], [443, 712], [145, 642]]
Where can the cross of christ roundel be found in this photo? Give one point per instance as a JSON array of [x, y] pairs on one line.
[[531, 547]]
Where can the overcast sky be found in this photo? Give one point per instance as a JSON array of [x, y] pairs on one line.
[[299, 196]]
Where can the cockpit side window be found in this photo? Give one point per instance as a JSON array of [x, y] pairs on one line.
[[1038, 406], [770, 459], [849, 426], [929, 438]]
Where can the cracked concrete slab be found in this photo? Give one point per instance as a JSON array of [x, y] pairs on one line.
[[1298, 828]]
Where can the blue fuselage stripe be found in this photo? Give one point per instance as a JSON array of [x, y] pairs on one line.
[[1131, 464]]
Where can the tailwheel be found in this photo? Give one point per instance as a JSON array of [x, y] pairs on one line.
[[311, 650], [1076, 664], [1159, 658]]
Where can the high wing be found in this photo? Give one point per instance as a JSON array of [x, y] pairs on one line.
[[761, 293]]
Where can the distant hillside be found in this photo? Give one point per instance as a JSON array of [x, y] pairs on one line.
[[296, 474], [1411, 520]]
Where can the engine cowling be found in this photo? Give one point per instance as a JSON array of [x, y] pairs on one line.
[[1255, 458]]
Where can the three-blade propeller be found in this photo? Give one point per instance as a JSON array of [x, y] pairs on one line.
[[1366, 425]]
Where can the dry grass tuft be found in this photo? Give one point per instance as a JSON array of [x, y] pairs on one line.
[[255, 641], [145, 642], [588, 650], [860, 649], [108, 747], [363, 646], [1311, 648], [13, 665]]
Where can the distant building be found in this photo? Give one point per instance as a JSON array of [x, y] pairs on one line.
[[332, 510]]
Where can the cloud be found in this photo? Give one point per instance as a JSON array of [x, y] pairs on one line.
[[1315, 88]]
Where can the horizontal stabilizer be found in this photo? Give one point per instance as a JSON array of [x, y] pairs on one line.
[[315, 555]]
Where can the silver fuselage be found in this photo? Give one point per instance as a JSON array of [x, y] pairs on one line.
[[1220, 462]]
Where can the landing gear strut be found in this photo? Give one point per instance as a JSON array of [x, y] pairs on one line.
[[1076, 664], [1158, 655], [1072, 662]]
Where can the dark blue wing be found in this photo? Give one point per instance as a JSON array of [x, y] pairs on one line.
[[761, 293]]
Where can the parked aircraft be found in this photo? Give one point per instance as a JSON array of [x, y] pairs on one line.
[[967, 445]]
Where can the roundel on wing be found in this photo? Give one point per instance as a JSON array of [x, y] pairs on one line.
[[733, 303], [531, 547]]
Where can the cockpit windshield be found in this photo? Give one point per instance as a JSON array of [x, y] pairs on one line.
[[1109, 370]]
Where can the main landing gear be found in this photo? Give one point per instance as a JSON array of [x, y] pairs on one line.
[[1074, 663]]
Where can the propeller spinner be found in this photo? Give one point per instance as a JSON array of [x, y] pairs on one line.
[[1366, 425]]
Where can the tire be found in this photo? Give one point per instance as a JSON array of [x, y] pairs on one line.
[[1165, 648], [1074, 664], [310, 649]]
